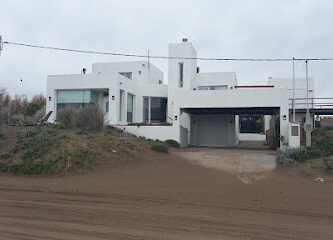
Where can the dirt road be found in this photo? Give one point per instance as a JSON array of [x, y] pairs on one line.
[[165, 197]]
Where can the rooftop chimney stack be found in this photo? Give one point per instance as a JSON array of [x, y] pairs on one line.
[[84, 70]]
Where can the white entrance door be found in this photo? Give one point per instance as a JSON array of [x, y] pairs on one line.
[[212, 131]]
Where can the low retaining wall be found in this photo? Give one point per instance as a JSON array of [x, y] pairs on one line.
[[154, 132], [251, 137]]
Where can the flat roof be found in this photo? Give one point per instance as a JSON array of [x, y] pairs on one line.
[[236, 111]]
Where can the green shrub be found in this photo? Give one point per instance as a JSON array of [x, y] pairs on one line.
[[65, 117], [323, 148], [172, 143], [158, 147], [292, 155]]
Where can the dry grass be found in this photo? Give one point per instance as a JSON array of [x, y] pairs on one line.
[[53, 149]]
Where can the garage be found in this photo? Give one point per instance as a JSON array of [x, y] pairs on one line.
[[212, 131], [216, 127]]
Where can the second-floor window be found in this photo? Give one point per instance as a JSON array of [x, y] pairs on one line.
[[126, 74], [218, 87], [181, 74]]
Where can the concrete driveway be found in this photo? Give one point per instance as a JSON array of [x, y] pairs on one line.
[[246, 164]]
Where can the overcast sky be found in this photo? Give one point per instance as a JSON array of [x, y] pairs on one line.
[[227, 29]]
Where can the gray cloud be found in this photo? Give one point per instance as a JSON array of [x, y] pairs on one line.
[[244, 28]]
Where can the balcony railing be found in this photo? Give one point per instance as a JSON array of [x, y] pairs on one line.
[[313, 103]]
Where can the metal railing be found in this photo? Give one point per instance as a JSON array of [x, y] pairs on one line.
[[313, 103]]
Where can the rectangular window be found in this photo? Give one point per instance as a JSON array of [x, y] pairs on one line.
[[121, 99], [77, 96], [126, 74], [75, 99], [130, 107], [217, 87], [154, 109], [181, 74]]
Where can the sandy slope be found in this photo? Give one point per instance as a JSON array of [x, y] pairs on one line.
[[165, 197]]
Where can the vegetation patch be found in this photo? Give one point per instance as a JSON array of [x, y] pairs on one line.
[[89, 117], [54, 149], [150, 124], [172, 143], [322, 140], [159, 147]]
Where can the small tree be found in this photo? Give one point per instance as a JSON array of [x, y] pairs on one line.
[[37, 102], [18, 104]]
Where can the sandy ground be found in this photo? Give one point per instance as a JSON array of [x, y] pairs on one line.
[[246, 164], [165, 197]]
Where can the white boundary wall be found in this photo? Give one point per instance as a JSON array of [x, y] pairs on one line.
[[251, 137], [154, 132]]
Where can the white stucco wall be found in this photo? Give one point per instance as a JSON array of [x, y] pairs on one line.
[[251, 137], [216, 78], [154, 132], [142, 72], [184, 49]]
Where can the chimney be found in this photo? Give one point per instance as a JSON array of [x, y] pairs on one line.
[[198, 69], [185, 40], [84, 70]]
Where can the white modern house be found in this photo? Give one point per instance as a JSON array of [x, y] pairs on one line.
[[193, 108]]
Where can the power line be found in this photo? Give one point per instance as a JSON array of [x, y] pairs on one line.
[[167, 57]]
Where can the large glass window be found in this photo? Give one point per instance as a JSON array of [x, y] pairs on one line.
[[130, 107], [71, 106], [154, 109], [75, 99]]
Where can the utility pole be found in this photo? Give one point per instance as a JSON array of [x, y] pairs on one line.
[[294, 118], [148, 67], [308, 124]]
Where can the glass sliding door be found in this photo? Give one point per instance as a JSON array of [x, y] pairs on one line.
[[130, 107], [154, 109]]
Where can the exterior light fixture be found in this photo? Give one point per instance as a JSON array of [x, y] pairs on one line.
[[112, 97], [176, 118], [50, 98]]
